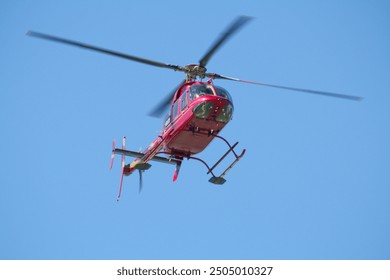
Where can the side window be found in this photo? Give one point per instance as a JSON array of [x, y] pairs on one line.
[[183, 98], [175, 109], [167, 120]]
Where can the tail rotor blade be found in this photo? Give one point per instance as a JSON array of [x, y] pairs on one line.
[[140, 181], [112, 154], [123, 168], [176, 172]]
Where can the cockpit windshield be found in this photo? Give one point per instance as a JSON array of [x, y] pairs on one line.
[[197, 90]]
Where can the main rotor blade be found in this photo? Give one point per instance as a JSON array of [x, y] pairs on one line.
[[330, 94], [233, 28], [163, 105], [98, 49]]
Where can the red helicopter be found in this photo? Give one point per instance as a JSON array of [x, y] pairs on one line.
[[197, 112]]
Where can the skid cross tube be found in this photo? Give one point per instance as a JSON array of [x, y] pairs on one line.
[[222, 158]]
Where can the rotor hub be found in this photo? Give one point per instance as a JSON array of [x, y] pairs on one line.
[[194, 70]]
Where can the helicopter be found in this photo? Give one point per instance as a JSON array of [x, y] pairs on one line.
[[198, 110]]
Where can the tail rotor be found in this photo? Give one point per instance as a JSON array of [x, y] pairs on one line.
[[127, 170]]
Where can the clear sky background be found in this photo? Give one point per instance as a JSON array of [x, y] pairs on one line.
[[314, 183]]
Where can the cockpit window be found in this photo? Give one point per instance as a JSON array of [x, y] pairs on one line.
[[223, 93], [197, 90]]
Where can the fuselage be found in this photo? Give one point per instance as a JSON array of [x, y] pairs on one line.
[[199, 111]]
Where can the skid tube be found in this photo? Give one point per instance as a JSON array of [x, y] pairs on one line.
[[219, 180]]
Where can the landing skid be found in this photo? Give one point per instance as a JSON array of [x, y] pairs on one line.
[[219, 180]]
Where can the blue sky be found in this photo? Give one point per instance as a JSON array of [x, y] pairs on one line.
[[314, 183]]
